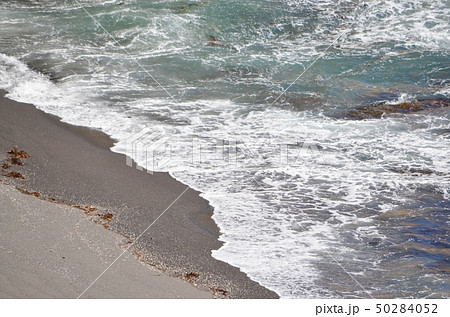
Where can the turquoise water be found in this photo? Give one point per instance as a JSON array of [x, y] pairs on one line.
[[248, 98]]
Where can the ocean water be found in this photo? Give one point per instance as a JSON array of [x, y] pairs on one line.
[[245, 101]]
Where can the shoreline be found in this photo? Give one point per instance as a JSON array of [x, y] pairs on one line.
[[75, 165]]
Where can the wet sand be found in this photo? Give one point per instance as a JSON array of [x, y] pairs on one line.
[[74, 165]]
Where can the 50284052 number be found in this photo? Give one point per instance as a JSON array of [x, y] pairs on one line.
[[405, 308]]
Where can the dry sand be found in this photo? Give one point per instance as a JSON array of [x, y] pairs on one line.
[[50, 250]]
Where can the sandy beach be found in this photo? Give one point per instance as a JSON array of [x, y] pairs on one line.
[[54, 250]]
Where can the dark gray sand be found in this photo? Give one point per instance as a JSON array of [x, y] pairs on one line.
[[75, 165]]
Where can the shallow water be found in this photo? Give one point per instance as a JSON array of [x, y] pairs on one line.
[[309, 204]]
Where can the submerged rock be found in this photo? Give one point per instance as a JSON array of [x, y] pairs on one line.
[[416, 171], [185, 8], [213, 41], [374, 242], [378, 110], [398, 214]]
